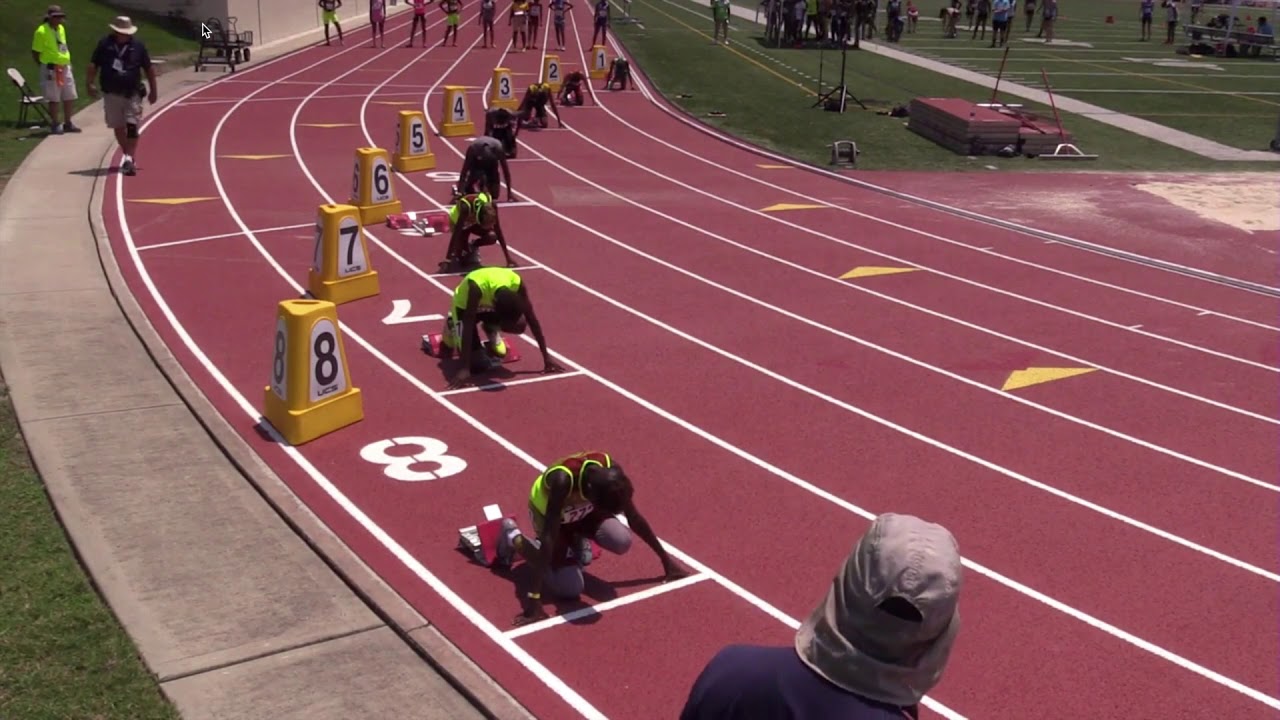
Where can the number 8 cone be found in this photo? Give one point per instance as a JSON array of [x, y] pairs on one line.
[[340, 267], [457, 118], [413, 152], [502, 93], [310, 394], [371, 187]]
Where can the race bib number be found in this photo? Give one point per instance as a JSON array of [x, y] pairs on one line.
[[576, 513]]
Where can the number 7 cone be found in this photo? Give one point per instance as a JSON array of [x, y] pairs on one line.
[[340, 269], [310, 394]]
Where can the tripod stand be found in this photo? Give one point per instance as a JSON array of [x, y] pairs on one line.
[[842, 88]]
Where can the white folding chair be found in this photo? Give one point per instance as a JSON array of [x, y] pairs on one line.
[[27, 100]]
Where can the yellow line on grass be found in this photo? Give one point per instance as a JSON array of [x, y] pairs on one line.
[[753, 61]]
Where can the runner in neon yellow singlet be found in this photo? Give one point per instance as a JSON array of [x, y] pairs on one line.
[[451, 9], [474, 214], [575, 500], [497, 300], [329, 14]]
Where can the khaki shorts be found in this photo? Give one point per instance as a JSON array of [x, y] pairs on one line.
[[51, 90], [121, 110]]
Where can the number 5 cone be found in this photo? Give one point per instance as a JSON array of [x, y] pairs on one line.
[[413, 151]]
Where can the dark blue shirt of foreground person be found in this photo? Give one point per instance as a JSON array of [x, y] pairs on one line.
[[750, 681], [870, 651]]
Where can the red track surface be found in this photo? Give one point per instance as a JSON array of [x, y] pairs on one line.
[[1118, 526]]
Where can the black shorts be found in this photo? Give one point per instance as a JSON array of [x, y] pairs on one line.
[[567, 539]]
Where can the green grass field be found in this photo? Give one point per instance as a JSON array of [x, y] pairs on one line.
[[63, 655], [166, 38], [767, 92], [1235, 101]]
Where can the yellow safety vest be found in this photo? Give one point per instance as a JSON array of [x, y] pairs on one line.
[[51, 44]]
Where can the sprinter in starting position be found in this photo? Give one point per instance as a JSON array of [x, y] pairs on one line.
[[571, 503]]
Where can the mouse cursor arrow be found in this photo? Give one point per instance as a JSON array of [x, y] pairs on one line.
[[205, 32]]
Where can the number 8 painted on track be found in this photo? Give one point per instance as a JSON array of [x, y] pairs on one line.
[[400, 467]]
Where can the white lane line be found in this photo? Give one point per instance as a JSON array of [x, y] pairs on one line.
[[602, 608]]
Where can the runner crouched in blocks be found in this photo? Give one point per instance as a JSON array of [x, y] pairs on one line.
[[535, 103], [495, 300], [500, 125], [474, 214], [619, 74], [571, 91], [485, 157], [573, 502]]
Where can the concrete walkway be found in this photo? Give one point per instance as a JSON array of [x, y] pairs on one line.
[[1146, 128], [241, 602]]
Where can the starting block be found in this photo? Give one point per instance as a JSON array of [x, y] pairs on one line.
[[432, 345], [481, 541], [432, 222]]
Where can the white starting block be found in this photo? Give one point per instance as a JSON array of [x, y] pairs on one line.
[[480, 541], [423, 224], [844, 152]]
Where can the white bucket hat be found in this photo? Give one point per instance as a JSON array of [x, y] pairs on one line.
[[123, 24], [850, 640]]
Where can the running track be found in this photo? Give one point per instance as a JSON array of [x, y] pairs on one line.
[[1118, 526]]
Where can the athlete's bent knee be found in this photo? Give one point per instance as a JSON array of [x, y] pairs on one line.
[[566, 583], [614, 537]]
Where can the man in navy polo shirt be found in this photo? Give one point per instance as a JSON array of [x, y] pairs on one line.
[[873, 648], [121, 59]]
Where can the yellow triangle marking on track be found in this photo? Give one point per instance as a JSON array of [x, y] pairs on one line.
[[171, 201], [789, 206], [767, 166], [255, 157], [1037, 375], [867, 271], [327, 125]]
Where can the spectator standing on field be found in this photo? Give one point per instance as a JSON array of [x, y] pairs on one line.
[[871, 650], [720, 20], [378, 22], [57, 83], [119, 62]]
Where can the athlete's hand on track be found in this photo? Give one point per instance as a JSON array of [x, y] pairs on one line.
[[463, 376], [532, 615], [674, 572], [550, 366]]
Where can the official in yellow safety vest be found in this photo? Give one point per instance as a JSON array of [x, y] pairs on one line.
[[57, 84]]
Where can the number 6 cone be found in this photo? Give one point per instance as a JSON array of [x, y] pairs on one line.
[[310, 394], [372, 189], [340, 269]]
